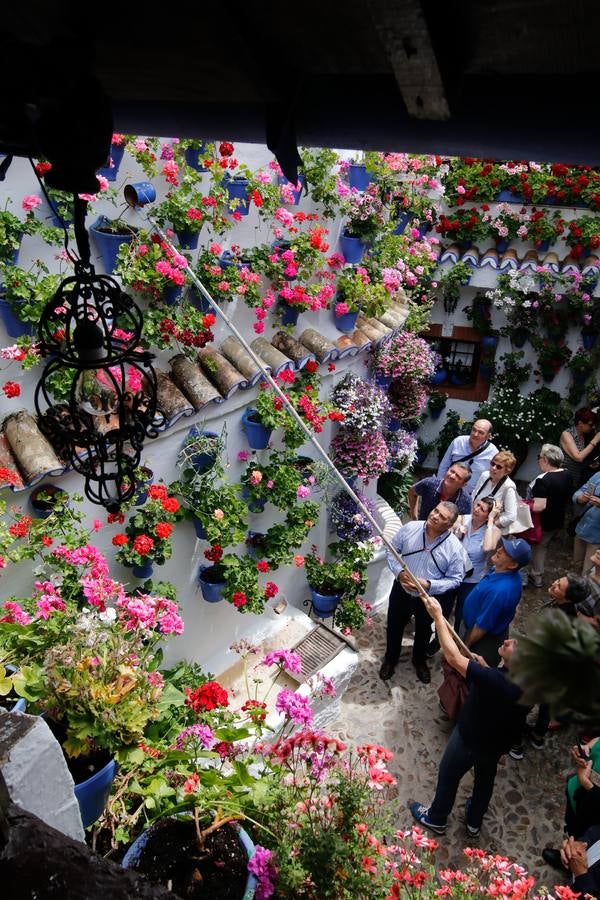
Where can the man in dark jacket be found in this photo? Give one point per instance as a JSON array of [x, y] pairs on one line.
[[489, 721]]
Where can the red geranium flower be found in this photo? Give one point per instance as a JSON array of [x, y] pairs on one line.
[[239, 599], [262, 565], [226, 148], [157, 492], [206, 697], [120, 540], [170, 504], [143, 544], [11, 389], [163, 530]]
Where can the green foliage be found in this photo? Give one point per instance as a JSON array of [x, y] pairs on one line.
[[28, 292], [452, 427], [450, 283], [321, 180], [418, 317]]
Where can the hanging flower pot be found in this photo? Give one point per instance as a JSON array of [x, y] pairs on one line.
[[383, 381], [199, 528], [197, 300], [548, 374], [425, 228], [13, 326], [194, 157], [358, 177], [110, 172], [588, 340], [402, 221], [324, 605], [542, 246], [258, 436], [109, 237], [518, 337], [394, 424], [501, 245], [508, 197], [144, 570], [346, 323], [212, 583], [93, 793], [255, 544], [204, 459], [139, 194], [289, 314], [353, 248], [188, 240], [489, 341], [144, 483], [254, 505], [167, 853], [237, 189], [293, 192], [172, 294], [43, 499]]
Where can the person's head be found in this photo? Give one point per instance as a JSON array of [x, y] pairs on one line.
[[585, 420], [506, 651], [502, 464], [511, 554], [480, 432], [455, 478], [482, 509], [570, 589], [442, 517], [550, 457], [595, 558]]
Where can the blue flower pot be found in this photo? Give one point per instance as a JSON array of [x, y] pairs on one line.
[[199, 528], [588, 340], [347, 322], [143, 571], [194, 157], [295, 193], [502, 246], [13, 257], [519, 337], [228, 259], [43, 508], [133, 857], [324, 605], [258, 436], [438, 377], [542, 246], [188, 240], [117, 151], [202, 462], [508, 197], [358, 177], [142, 494], [436, 413], [14, 327], [394, 424], [489, 340], [254, 506], [108, 244], [92, 794], [353, 249], [211, 591], [197, 300], [289, 314], [251, 550], [425, 229], [402, 221], [139, 194], [237, 189], [350, 480], [383, 381], [172, 294]]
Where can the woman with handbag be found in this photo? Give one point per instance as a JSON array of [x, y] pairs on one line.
[[502, 489], [550, 492]]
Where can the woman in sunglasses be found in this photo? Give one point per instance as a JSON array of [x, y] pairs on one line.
[[501, 488]]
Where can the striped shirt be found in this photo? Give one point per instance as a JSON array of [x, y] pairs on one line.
[[440, 561]]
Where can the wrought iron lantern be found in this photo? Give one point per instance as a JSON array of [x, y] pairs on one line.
[[91, 331]]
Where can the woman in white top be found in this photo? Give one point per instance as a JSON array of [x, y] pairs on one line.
[[497, 484], [479, 538]]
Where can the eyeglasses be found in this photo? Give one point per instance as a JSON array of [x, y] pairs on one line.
[[494, 465]]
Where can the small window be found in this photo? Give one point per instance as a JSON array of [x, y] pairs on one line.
[[459, 360]]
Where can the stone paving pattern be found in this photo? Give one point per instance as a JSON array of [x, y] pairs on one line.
[[526, 812]]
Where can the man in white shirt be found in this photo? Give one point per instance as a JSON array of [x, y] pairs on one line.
[[475, 450]]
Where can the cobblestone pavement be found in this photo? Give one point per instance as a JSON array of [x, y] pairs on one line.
[[526, 813]]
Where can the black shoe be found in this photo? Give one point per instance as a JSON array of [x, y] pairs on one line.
[[433, 647], [387, 669], [551, 857], [423, 673]]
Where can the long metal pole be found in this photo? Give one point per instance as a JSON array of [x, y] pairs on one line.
[[322, 453]]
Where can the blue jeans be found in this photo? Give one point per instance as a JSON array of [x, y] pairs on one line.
[[458, 758]]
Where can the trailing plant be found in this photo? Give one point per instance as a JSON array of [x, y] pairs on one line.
[[405, 356], [357, 455], [363, 405], [464, 225], [450, 283], [182, 327], [321, 180], [364, 214], [479, 313], [149, 266]]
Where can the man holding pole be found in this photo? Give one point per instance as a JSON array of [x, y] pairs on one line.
[[490, 721], [436, 562]]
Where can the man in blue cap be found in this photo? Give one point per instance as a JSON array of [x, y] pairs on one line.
[[491, 606]]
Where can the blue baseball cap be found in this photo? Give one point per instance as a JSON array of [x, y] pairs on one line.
[[517, 549]]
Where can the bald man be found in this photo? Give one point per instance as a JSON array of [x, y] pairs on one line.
[[474, 450]]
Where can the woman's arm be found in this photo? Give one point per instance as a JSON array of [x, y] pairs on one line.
[[509, 502], [491, 537], [568, 445]]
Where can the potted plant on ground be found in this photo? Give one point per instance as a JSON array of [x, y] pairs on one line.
[[335, 586]]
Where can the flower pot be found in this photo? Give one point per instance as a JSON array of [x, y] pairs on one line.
[[502, 245], [13, 326], [402, 221], [439, 376], [424, 229], [508, 197], [580, 377], [199, 528], [211, 588], [198, 300], [194, 157], [518, 337], [289, 314], [436, 413], [346, 323], [143, 853], [358, 177], [588, 340], [43, 508], [542, 246], [144, 483], [353, 249], [201, 462], [294, 192], [394, 424], [139, 194], [144, 570], [258, 436], [172, 294], [253, 544], [324, 605], [489, 341], [383, 381], [237, 189], [228, 259], [108, 243], [350, 479], [548, 374], [254, 506], [117, 151], [92, 794], [188, 240], [12, 256]]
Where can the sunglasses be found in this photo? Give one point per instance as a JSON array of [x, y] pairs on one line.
[[494, 465]]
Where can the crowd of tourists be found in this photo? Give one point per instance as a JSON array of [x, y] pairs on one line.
[[471, 545]]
